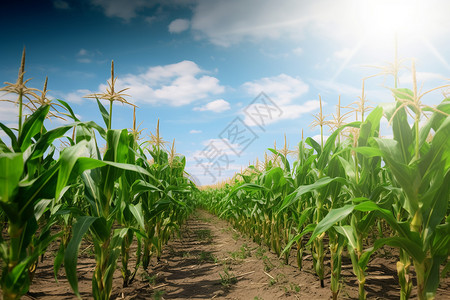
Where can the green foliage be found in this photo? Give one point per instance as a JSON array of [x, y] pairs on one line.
[[344, 189]]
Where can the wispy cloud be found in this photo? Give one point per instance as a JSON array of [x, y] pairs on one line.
[[125, 10], [179, 25], [226, 23], [343, 53], [60, 4], [216, 106], [298, 51], [230, 22], [421, 77], [194, 131], [337, 87], [86, 56]]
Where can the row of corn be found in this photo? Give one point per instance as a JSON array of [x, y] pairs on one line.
[[353, 193], [57, 187]]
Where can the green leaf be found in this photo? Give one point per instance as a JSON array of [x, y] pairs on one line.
[[104, 112], [58, 261], [334, 216], [47, 139], [329, 146], [36, 189], [71, 255], [368, 151], [400, 126], [140, 186], [73, 160], [307, 229], [349, 168], [438, 157], [406, 175], [136, 210], [11, 165], [101, 229], [412, 248], [14, 143], [435, 205], [41, 207], [303, 189], [20, 269], [283, 159], [248, 187], [370, 127], [433, 279], [349, 234], [315, 145], [32, 126], [67, 106]]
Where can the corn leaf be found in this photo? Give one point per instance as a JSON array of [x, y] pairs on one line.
[[71, 254]]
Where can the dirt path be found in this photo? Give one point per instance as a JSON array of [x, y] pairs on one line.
[[211, 260]]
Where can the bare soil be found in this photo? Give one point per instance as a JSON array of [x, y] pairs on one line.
[[211, 260]]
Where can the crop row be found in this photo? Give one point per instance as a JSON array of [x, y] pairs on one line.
[[113, 197], [340, 190]]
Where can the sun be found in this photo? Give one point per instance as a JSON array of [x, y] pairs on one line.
[[380, 25], [381, 18]]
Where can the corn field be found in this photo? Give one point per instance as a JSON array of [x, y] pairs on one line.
[[113, 197], [354, 193], [349, 194]]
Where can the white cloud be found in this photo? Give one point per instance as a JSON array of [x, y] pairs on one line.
[[8, 112], [213, 163], [284, 91], [75, 96], [84, 60], [9, 115], [343, 53], [351, 93], [421, 77], [179, 25], [229, 22], [282, 88], [222, 145], [150, 20], [60, 4], [82, 52], [125, 10], [175, 84], [217, 106], [212, 149], [298, 51], [210, 173], [194, 131], [288, 112], [85, 56], [338, 87]]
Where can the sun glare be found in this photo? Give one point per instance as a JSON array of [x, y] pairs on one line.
[[381, 25], [385, 18]]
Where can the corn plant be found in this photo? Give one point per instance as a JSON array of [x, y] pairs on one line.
[[99, 177], [28, 184]]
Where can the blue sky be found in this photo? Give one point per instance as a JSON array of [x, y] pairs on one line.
[[197, 65]]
